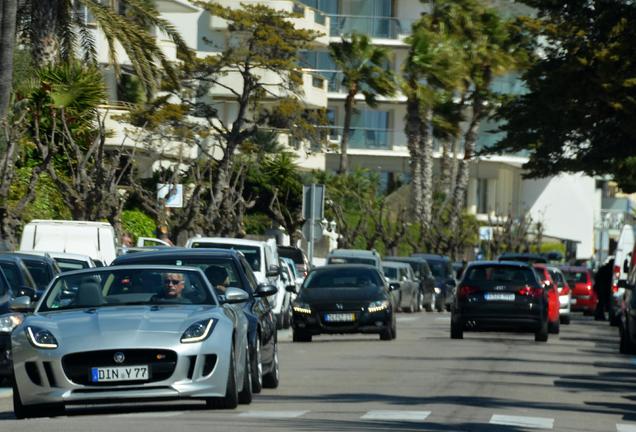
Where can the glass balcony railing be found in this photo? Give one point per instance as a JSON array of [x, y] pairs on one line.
[[363, 138], [372, 26]]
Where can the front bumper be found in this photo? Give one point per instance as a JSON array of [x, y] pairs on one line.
[[200, 370], [515, 318], [365, 322], [5, 355]]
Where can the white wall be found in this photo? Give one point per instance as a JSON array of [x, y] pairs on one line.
[[565, 205]]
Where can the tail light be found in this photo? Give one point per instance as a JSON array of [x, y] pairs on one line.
[[617, 271], [614, 288], [531, 292], [465, 290], [564, 291], [589, 287]]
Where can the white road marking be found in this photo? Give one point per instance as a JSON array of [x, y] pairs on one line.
[[6, 392], [395, 415], [625, 428], [273, 414], [406, 319], [528, 422], [445, 319], [153, 414]]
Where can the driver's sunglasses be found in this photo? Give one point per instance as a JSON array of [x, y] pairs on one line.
[[172, 281]]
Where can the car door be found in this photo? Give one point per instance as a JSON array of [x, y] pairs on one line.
[[261, 308], [411, 283]]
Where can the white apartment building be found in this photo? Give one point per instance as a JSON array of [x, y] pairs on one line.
[[567, 205]]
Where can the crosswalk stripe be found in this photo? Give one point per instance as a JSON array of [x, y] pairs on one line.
[[273, 414], [395, 415], [521, 421], [5, 393], [149, 414], [625, 428]]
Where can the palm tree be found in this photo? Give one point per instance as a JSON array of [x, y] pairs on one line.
[[364, 70], [8, 10], [56, 31]]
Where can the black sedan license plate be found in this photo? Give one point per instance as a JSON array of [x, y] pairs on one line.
[[119, 373], [499, 297], [340, 317]]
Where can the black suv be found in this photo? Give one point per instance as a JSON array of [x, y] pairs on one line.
[[423, 276], [445, 283], [228, 267], [500, 296]]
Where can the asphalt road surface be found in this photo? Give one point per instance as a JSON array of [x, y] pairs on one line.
[[421, 381]]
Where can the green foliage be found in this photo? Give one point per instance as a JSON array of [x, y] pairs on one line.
[[578, 112], [257, 223], [553, 247], [138, 224], [48, 202]]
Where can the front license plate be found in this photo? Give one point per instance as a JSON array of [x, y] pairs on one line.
[[499, 297], [340, 317], [119, 373]]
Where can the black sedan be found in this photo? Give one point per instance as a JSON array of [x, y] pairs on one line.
[[344, 298], [19, 277], [228, 268], [500, 296], [8, 321]]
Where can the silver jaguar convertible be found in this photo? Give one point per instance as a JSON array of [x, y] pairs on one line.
[[130, 333]]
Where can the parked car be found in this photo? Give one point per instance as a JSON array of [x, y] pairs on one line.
[[565, 294], [423, 276], [581, 284], [355, 256], [8, 321], [344, 298], [95, 239], [627, 316], [445, 283], [622, 260], [500, 296], [159, 330], [523, 257], [262, 336], [289, 281], [554, 305], [263, 258], [43, 268], [19, 277], [408, 296], [67, 261], [298, 256], [296, 276]]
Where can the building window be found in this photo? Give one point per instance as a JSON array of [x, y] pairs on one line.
[[482, 196]]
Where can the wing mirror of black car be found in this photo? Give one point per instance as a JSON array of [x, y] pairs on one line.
[[235, 295], [622, 283], [266, 290], [273, 271], [22, 304], [394, 286], [26, 291], [291, 289]]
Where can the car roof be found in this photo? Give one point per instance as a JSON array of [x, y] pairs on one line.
[[396, 264], [224, 240], [10, 257], [431, 256], [176, 252], [27, 256], [500, 263], [353, 252], [406, 259], [344, 267], [567, 268], [132, 267]]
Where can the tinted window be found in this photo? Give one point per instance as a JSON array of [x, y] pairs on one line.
[[390, 272], [3, 284], [252, 253], [120, 287], [251, 278], [339, 279], [438, 268], [350, 260], [576, 276], [40, 272], [484, 276], [12, 273], [294, 254], [66, 264]]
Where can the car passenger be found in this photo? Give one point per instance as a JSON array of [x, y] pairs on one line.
[[218, 278]]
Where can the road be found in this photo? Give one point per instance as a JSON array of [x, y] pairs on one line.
[[421, 381]]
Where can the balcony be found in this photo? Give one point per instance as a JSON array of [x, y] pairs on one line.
[[364, 138], [309, 18], [373, 26]]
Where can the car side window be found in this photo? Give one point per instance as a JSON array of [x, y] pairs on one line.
[[251, 279]]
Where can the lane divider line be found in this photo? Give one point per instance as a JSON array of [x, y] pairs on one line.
[[395, 415], [273, 414], [622, 427], [521, 421]]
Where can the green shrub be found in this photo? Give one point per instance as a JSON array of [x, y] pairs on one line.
[[257, 223], [138, 224]]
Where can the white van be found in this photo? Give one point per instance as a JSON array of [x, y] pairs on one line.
[[94, 239], [263, 258]]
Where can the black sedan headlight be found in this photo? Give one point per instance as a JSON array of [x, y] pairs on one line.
[[302, 308], [199, 331], [378, 306], [41, 338]]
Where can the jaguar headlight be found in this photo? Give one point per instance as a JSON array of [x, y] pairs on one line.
[[378, 306], [302, 308], [10, 321], [199, 331], [41, 338]]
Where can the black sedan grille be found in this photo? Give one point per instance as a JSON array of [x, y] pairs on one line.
[[161, 364]]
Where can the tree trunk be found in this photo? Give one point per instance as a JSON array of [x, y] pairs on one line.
[[412, 130], [344, 143], [45, 18], [443, 186], [461, 184], [426, 137], [8, 11]]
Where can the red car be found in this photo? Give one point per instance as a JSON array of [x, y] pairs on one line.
[[583, 296], [553, 297]]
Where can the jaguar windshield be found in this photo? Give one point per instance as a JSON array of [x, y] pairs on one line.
[[126, 286]]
